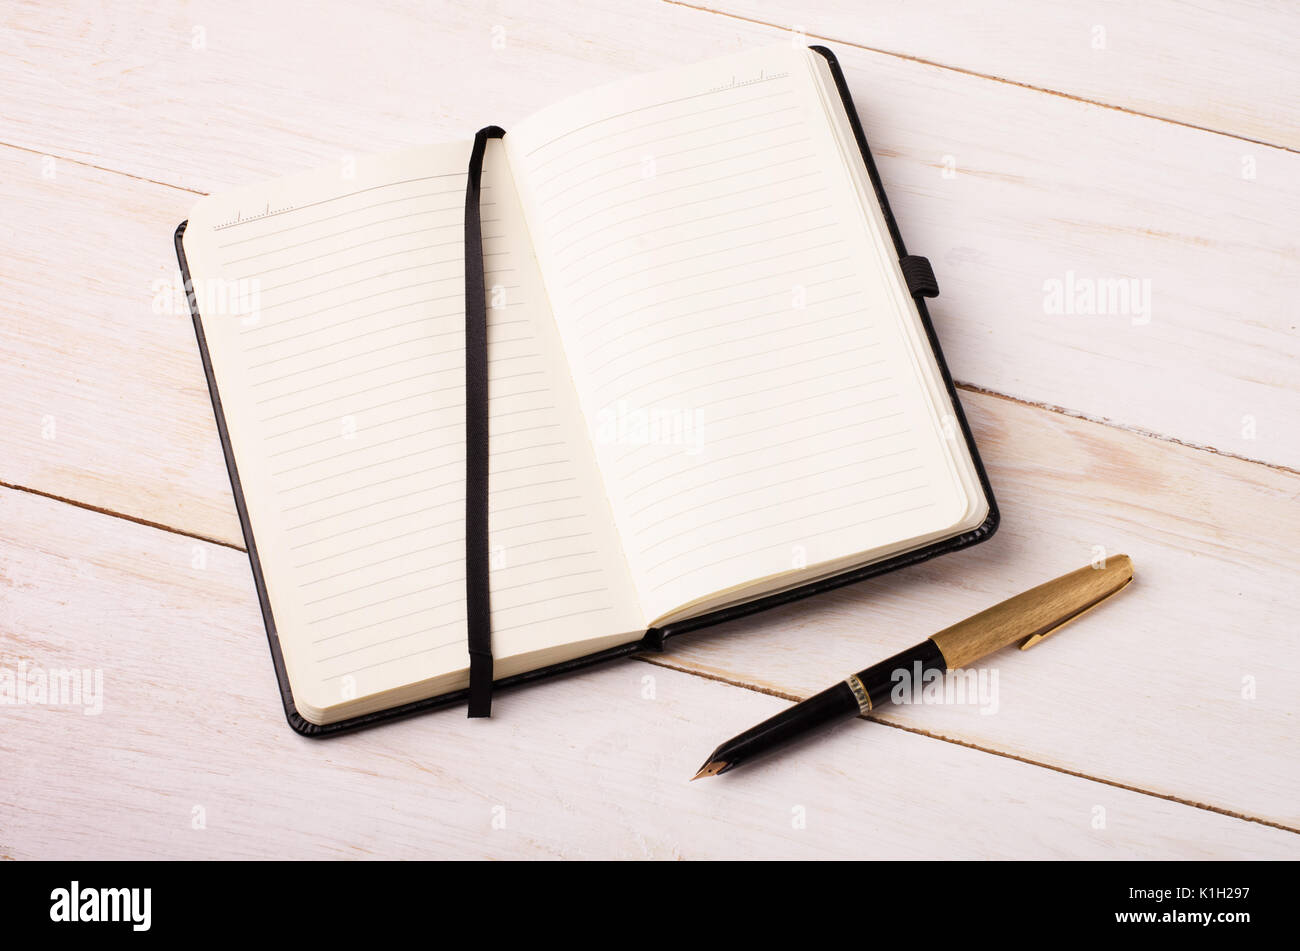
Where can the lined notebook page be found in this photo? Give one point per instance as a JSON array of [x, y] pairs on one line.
[[738, 352], [342, 377]]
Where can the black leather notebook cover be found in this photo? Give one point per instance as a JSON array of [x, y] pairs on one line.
[[921, 283]]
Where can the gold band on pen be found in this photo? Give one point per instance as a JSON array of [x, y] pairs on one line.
[[859, 693]]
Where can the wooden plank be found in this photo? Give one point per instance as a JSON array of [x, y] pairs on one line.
[[103, 399], [1212, 541], [135, 435], [1224, 66], [1052, 200], [1044, 191], [190, 757], [1179, 686], [143, 450]]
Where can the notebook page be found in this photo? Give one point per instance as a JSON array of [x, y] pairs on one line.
[[734, 341], [342, 380], [923, 354]]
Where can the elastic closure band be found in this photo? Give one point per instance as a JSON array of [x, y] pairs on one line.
[[478, 604], [919, 276]]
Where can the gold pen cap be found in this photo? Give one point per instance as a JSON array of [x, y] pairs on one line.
[[1033, 615]]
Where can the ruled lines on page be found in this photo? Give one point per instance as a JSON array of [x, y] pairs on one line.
[[349, 400], [754, 408]]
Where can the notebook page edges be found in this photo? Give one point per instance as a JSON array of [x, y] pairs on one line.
[[736, 345], [338, 351], [923, 355]]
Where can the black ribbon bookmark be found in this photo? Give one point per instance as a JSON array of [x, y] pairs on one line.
[[478, 608]]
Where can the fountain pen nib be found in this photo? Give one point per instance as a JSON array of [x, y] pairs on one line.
[[711, 768]]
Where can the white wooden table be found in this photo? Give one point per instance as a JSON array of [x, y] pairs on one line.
[[1021, 143]]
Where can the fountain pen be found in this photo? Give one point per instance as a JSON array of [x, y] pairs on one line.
[[1027, 617]]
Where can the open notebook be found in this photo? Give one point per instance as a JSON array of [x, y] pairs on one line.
[[711, 389]]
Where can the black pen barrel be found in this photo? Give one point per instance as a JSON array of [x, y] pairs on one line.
[[879, 681], [833, 703], [853, 696]]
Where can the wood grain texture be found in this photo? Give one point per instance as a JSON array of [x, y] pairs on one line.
[[1049, 194], [102, 398], [1218, 65], [191, 722], [102, 402], [1042, 188], [1179, 685]]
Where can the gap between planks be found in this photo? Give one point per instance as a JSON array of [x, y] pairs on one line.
[[102, 168], [148, 523], [659, 661], [978, 75], [1122, 427], [960, 385]]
